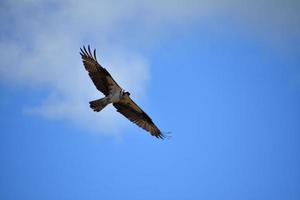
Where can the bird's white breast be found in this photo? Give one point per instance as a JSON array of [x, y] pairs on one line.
[[115, 96]]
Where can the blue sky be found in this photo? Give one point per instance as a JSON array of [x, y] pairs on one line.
[[222, 76]]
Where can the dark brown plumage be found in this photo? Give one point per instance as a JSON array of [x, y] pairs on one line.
[[99, 75], [136, 115], [108, 86]]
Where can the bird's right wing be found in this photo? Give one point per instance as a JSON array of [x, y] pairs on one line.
[[99, 75], [135, 114]]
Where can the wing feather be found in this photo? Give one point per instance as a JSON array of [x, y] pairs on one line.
[[99, 75], [135, 114]]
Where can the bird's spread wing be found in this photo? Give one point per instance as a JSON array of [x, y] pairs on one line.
[[99, 75], [135, 114]]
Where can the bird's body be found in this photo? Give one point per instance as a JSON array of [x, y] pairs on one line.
[[115, 95]]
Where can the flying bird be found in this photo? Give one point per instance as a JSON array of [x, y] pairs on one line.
[[114, 94]]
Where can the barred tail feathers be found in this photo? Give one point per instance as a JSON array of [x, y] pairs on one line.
[[99, 104]]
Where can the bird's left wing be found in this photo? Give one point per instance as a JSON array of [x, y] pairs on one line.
[[135, 114], [99, 75]]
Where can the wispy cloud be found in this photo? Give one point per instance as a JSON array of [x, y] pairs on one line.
[[39, 43], [40, 49]]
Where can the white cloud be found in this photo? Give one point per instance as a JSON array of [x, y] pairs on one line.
[[43, 51], [40, 40]]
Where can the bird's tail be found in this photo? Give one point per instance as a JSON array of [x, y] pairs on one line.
[[99, 104]]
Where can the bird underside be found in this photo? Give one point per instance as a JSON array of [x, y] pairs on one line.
[[114, 94]]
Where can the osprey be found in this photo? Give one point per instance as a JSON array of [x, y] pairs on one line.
[[115, 94]]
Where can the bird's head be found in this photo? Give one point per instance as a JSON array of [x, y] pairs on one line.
[[126, 92]]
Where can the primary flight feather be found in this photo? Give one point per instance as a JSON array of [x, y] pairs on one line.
[[115, 94]]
